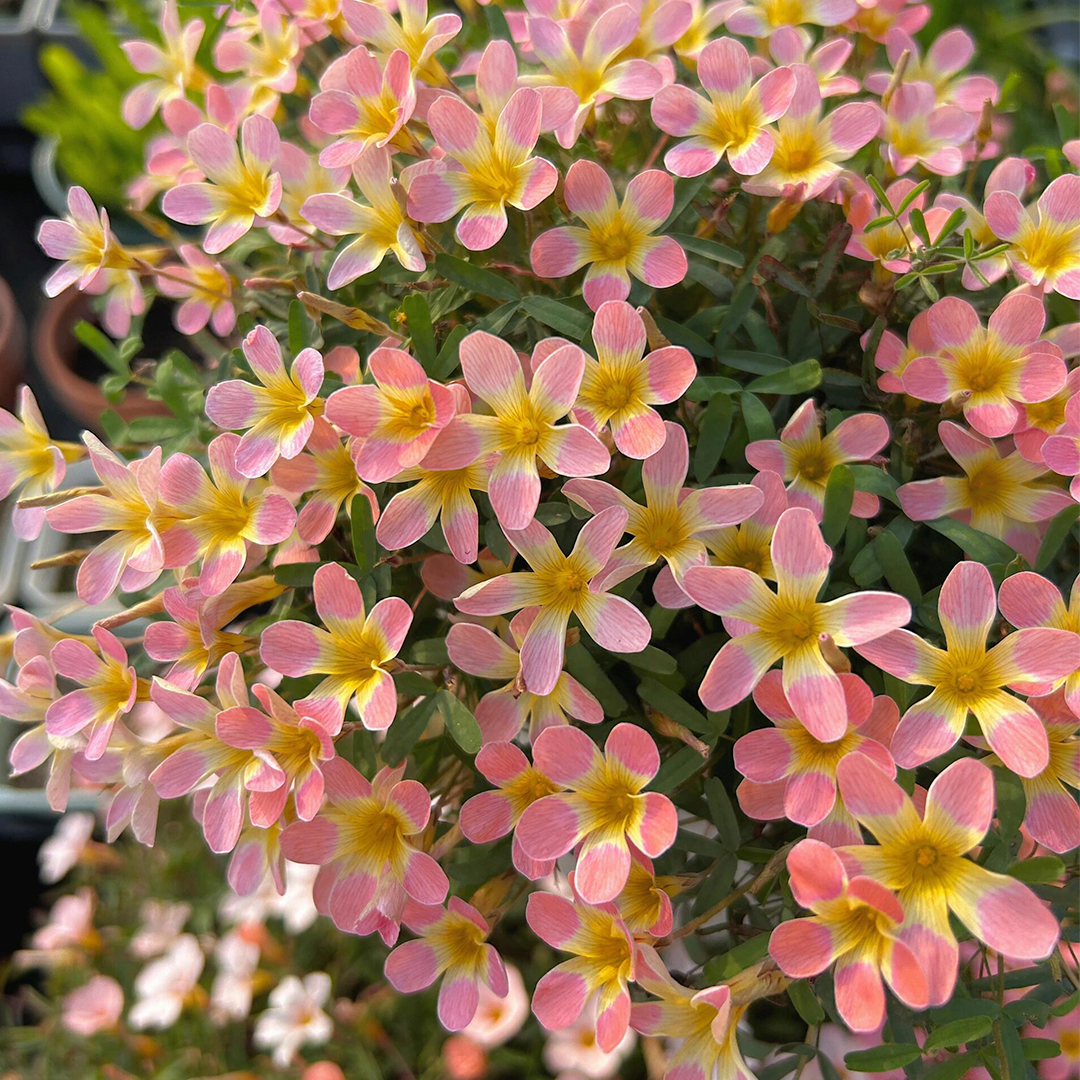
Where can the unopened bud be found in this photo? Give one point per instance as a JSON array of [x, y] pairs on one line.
[[985, 130], [653, 333], [833, 656], [492, 893]]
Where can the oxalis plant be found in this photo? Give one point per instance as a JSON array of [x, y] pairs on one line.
[[614, 517]]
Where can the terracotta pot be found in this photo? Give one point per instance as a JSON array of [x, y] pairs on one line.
[[55, 350], [12, 346]]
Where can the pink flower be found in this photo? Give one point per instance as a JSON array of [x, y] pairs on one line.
[[295, 1017], [280, 413], [855, 925], [620, 387], [95, 1006], [789, 625], [1061, 451], [206, 299], [438, 494], [790, 45], [807, 460], [125, 299], [574, 1052], [194, 637], [1043, 419], [108, 687], [265, 49], [379, 227], [354, 651], [452, 944], [84, 243], [746, 545], [998, 492], [969, 678], [733, 121], [162, 924], [172, 65], [645, 900], [917, 131], [617, 241], [705, 18], [893, 354], [673, 523], [327, 474], [1052, 816], [603, 808], [420, 37], [397, 417], [27, 702], [497, 80], [603, 964], [502, 713], [241, 189], [987, 368], [499, 1018], [71, 919], [237, 960], [493, 814], [365, 839], [890, 245], [807, 149], [1045, 236], [876, 19], [217, 516], [481, 173], [760, 18], [1011, 174], [1027, 600], [921, 858], [301, 178], [31, 461], [559, 585], [205, 753], [364, 105], [947, 56], [790, 774], [587, 62], [523, 426], [703, 1021], [1061, 1030]]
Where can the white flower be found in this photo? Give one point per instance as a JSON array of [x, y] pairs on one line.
[[294, 1017], [237, 959], [164, 984], [296, 907], [497, 1019], [62, 850], [162, 924], [575, 1050]]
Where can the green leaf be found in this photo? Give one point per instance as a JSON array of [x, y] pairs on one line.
[[758, 420], [882, 1058], [835, 244], [1014, 1051], [447, 361], [559, 316], [430, 651], [413, 684], [418, 317], [959, 1032], [460, 722], [796, 379], [713, 431], [676, 769], [473, 278], [879, 191], [497, 25], [1040, 870], [776, 271], [1011, 801], [705, 386], [686, 188], [301, 328], [806, 1003], [1040, 1049], [720, 253], [839, 494], [144, 429], [583, 666], [89, 335], [114, 426], [678, 334], [1056, 532], [407, 729], [872, 479], [894, 564], [650, 659], [363, 534], [722, 813], [742, 300], [912, 195], [496, 541], [296, 575], [495, 320], [721, 968], [756, 363], [672, 705], [953, 1068], [978, 545]]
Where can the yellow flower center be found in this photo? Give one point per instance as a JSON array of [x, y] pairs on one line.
[[926, 855], [525, 789], [459, 942], [495, 181], [614, 242], [1070, 1043], [985, 363], [1047, 415], [988, 487], [797, 151], [662, 531], [1049, 248], [814, 464], [249, 194], [783, 12]]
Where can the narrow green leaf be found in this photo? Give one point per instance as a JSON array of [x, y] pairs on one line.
[[447, 361], [711, 249], [894, 563], [651, 659], [713, 433], [89, 335], [583, 666], [806, 1003], [759, 422], [1014, 1050], [301, 328], [363, 534], [705, 386], [776, 271], [407, 729], [495, 320], [882, 1058], [1040, 870], [474, 279], [296, 575], [686, 188], [835, 244], [678, 334], [496, 541], [839, 494], [755, 363], [912, 195], [418, 317], [1040, 1049], [796, 379], [872, 479], [460, 722], [1056, 532], [559, 316], [673, 706], [721, 968], [676, 769], [959, 1032], [497, 25], [722, 813], [977, 545], [1011, 801]]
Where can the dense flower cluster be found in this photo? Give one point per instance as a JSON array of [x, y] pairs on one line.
[[331, 572]]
